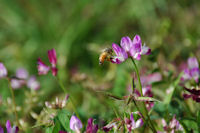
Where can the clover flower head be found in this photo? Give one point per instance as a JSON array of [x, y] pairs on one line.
[[75, 123], [129, 48]]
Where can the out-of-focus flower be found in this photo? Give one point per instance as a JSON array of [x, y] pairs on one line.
[[192, 72], [21, 73], [75, 124], [3, 70], [194, 94], [131, 124], [147, 92], [43, 69], [173, 126], [33, 84], [52, 57], [10, 129], [1, 129], [17, 83], [129, 48], [151, 78], [58, 104], [91, 128]]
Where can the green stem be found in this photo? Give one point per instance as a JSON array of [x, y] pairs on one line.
[[140, 87], [13, 99], [70, 97]]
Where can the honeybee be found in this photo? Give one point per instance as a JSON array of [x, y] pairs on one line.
[[105, 55]]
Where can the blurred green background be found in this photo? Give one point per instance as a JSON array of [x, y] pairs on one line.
[[80, 29]]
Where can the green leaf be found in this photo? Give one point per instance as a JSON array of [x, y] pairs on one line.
[[57, 127], [49, 129], [198, 120], [64, 118], [150, 99], [172, 88]]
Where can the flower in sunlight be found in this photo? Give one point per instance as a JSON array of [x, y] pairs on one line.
[[129, 48]]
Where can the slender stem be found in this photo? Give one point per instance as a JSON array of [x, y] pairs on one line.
[[70, 97], [140, 87], [13, 99]]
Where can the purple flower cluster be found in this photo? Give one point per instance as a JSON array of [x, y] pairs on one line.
[[172, 127], [129, 48], [9, 128], [192, 72], [43, 69], [20, 79]]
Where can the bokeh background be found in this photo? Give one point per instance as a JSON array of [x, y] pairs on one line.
[[79, 30]]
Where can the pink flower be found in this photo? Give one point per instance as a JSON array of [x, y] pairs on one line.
[[43, 69], [3, 70], [52, 57], [192, 72], [10, 129], [129, 48], [33, 84], [121, 54], [21, 73], [75, 123], [91, 128]]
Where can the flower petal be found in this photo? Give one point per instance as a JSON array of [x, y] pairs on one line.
[[126, 43], [17, 83], [1, 130], [42, 68], [3, 70], [194, 72], [33, 84], [8, 126], [136, 47], [186, 75], [121, 54], [52, 57], [75, 123], [21, 73], [145, 50], [139, 123], [193, 63]]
